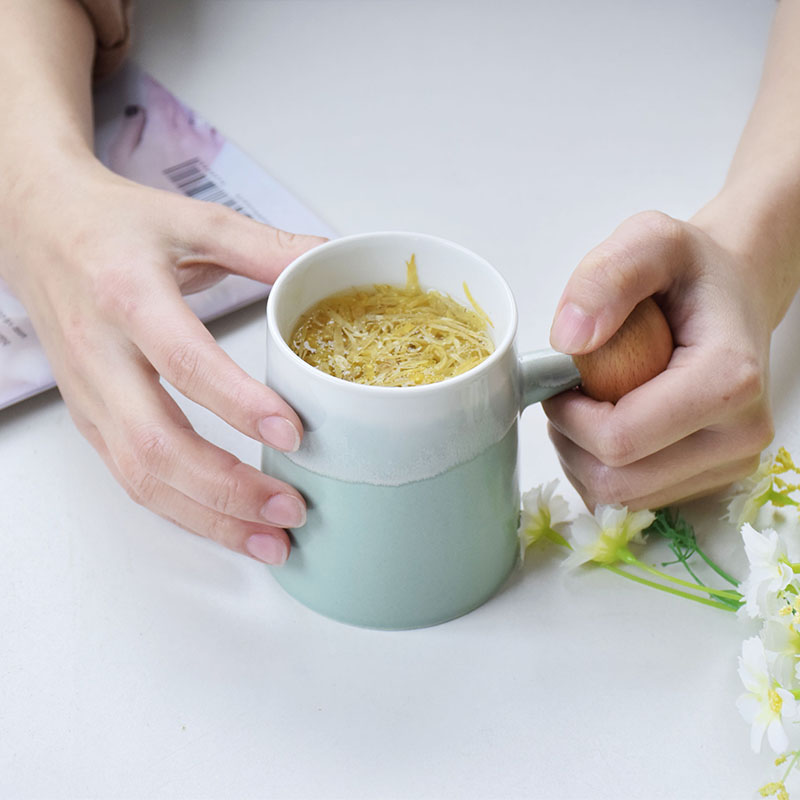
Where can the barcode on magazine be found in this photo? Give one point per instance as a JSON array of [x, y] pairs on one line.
[[194, 179]]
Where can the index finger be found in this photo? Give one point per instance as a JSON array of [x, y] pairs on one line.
[[237, 243], [691, 394], [181, 349]]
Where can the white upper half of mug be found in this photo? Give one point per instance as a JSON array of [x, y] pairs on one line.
[[393, 435]]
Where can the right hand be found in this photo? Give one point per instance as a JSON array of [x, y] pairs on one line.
[[701, 423], [101, 264]]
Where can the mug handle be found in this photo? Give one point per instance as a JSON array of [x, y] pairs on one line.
[[637, 352]]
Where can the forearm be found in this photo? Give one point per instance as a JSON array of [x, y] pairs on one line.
[[757, 213], [46, 54]]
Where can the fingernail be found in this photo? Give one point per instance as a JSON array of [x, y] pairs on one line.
[[572, 329], [279, 433], [284, 510], [267, 548]]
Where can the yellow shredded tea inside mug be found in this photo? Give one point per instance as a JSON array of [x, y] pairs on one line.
[[393, 335]]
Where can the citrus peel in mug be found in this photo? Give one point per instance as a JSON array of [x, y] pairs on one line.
[[387, 335]]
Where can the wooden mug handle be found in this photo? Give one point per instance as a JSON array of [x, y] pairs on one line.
[[637, 352]]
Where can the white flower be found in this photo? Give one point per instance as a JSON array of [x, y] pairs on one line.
[[786, 521], [750, 494], [765, 703], [542, 512], [781, 639], [770, 570], [600, 537]]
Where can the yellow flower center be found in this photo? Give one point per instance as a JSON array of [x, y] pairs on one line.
[[775, 702]]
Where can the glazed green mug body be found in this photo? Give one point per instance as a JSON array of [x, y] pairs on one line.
[[412, 492]]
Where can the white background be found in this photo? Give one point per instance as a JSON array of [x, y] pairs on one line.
[[138, 661]]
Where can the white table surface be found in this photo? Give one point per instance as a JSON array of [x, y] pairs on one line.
[[138, 661]]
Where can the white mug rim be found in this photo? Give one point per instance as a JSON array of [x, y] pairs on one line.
[[406, 391]]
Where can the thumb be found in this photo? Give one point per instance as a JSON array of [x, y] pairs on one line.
[[228, 239], [639, 259]]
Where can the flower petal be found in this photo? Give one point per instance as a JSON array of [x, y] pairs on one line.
[[788, 703], [753, 669], [585, 530], [576, 558], [757, 735], [776, 736], [758, 547], [611, 517], [748, 706], [636, 522]]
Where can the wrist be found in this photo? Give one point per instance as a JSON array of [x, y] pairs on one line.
[[759, 223], [43, 184]]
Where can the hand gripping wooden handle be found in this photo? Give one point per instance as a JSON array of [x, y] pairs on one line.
[[637, 352]]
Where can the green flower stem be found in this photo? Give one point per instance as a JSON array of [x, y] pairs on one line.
[[723, 594], [686, 566], [704, 600], [791, 766], [721, 572], [683, 543], [778, 498], [557, 538]]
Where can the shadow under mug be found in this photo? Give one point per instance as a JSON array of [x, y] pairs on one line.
[[412, 492]]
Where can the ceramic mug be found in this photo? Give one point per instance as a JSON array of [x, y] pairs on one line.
[[412, 492]]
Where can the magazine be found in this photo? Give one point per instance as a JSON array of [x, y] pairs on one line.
[[145, 133]]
